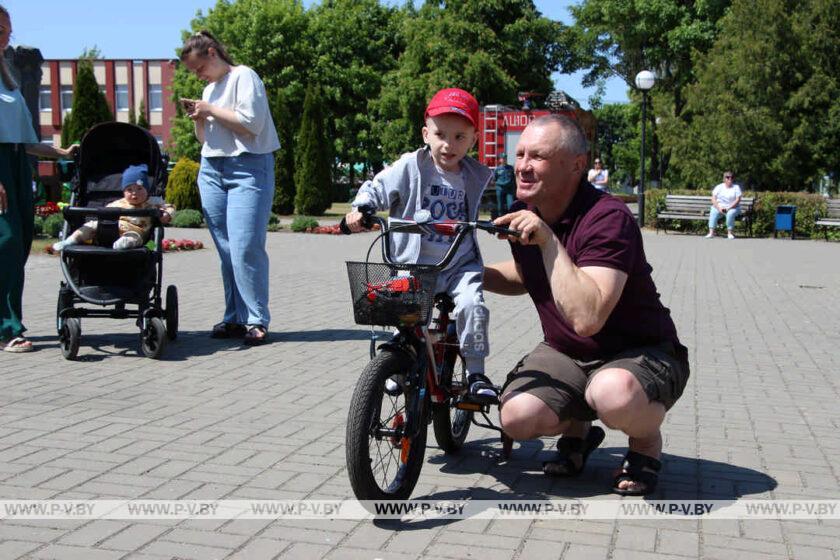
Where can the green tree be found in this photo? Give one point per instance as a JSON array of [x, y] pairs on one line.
[[766, 100], [89, 105], [142, 120], [354, 43], [622, 37], [618, 141], [312, 158], [132, 115], [284, 158], [492, 48]]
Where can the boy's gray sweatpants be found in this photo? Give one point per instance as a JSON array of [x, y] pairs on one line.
[[471, 314]]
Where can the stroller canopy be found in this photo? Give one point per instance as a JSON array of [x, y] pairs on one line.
[[109, 148]]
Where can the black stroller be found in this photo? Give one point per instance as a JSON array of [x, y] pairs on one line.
[[117, 280]]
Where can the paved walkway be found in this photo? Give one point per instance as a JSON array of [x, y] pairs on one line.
[[759, 418]]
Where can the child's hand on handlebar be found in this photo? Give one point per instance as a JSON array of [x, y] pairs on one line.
[[354, 221], [532, 230]]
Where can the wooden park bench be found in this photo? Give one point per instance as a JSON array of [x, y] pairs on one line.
[[831, 218], [685, 207]]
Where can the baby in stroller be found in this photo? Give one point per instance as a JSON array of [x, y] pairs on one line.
[[133, 230]]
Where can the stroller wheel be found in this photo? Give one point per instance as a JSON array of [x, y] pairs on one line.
[[172, 312], [153, 338], [69, 337]]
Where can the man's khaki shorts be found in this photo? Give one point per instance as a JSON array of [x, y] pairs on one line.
[[561, 381]]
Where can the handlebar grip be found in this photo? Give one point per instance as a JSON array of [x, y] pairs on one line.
[[492, 228], [343, 227], [368, 212]]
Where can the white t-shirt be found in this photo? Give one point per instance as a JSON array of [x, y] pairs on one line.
[[445, 199], [726, 195], [241, 91], [596, 176], [15, 120]]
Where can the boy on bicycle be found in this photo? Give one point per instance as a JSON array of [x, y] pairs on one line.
[[443, 180]]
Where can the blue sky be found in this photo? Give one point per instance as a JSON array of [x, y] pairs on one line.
[[152, 29]]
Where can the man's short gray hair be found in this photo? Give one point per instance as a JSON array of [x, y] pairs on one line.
[[572, 138]]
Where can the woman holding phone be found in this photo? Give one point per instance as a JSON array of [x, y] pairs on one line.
[[236, 180]]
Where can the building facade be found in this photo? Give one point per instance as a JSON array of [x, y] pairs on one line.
[[125, 84]]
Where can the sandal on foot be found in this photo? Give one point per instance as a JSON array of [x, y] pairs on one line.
[[18, 345], [481, 389], [227, 330], [640, 469], [567, 446], [256, 335]]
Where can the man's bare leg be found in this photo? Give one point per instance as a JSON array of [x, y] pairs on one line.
[[622, 404]]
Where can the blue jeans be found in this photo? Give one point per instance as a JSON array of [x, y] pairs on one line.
[[731, 214], [236, 196], [504, 198]]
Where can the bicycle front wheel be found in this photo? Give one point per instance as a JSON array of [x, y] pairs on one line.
[[383, 460]]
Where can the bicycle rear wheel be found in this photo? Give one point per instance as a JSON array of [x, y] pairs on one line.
[[451, 424], [383, 461]]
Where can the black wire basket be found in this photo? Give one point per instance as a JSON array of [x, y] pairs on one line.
[[395, 295]]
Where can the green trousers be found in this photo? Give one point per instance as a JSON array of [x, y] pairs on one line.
[[16, 228]]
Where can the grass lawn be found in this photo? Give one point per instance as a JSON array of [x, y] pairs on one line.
[[40, 243]]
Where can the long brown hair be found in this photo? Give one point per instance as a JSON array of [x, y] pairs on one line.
[[200, 43], [5, 74]]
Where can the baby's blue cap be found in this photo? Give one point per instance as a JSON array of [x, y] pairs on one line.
[[136, 175]]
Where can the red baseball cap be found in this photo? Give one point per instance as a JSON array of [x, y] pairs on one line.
[[455, 101]]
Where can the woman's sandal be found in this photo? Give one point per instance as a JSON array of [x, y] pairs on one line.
[[18, 345], [566, 446], [640, 469], [228, 330], [256, 335]]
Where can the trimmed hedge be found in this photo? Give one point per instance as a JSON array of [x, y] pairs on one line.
[[182, 187], [53, 224], [187, 218], [302, 223], [38, 225], [764, 216]]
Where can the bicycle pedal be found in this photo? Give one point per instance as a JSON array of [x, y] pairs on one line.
[[467, 405]]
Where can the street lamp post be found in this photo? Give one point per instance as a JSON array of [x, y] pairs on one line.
[[644, 81]]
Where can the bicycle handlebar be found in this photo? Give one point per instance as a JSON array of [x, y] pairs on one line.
[[459, 229]]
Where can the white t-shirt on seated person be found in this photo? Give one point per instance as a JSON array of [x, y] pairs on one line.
[[241, 91], [726, 195]]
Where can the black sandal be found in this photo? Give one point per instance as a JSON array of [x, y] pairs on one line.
[[228, 330], [256, 335], [640, 469], [566, 446]]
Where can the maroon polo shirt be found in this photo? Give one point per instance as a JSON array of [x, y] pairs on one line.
[[599, 230]]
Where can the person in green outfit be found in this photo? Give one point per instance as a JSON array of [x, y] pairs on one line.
[[17, 209]]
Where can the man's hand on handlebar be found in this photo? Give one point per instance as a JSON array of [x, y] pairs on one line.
[[532, 230]]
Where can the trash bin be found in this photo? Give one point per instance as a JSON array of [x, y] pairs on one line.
[[785, 220]]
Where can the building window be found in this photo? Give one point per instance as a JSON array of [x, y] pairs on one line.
[[122, 97], [66, 98], [45, 99], [155, 97]]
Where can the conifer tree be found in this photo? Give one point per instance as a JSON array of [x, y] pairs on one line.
[[89, 105], [142, 121], [284, 158], [312, 158]]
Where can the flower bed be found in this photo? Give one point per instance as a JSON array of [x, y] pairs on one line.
[[170, 245]]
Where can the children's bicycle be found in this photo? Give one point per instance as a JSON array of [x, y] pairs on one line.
[[416, 378]]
